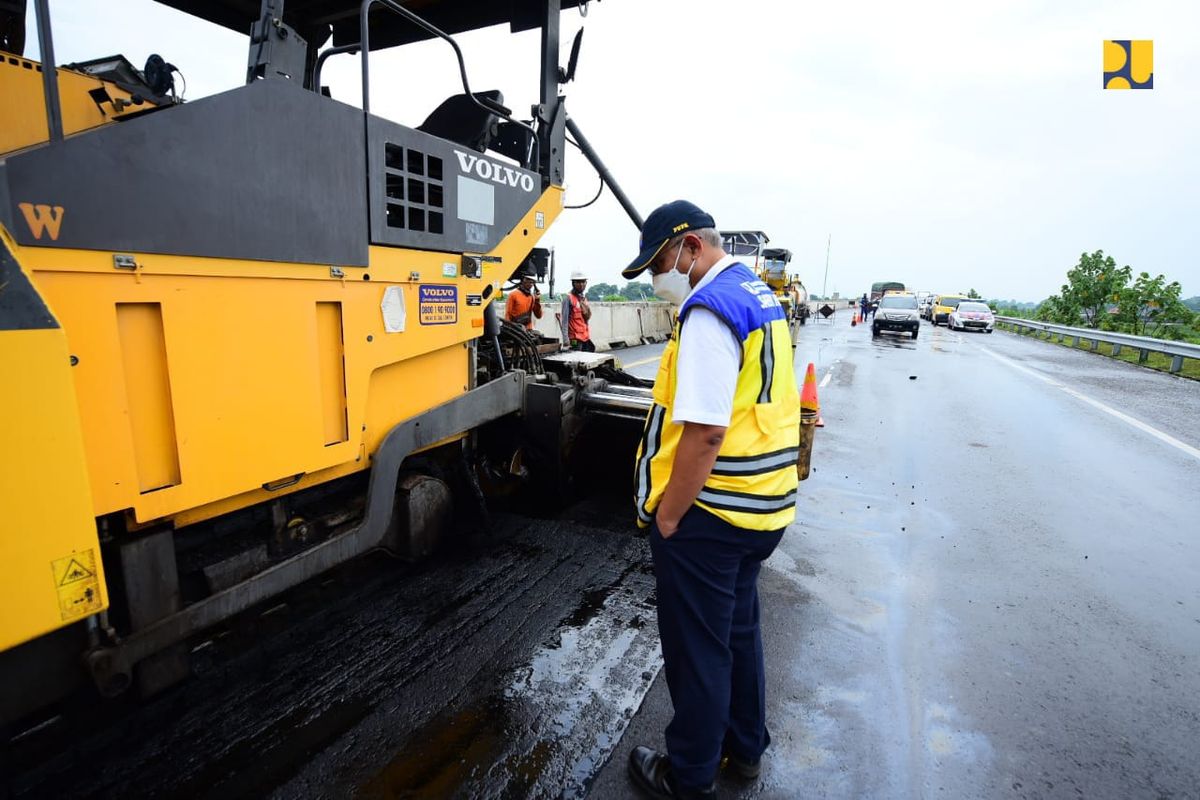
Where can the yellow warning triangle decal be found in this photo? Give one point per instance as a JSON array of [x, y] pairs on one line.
[[75, 572]]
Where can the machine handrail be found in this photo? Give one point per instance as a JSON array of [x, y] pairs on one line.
[[324, 56], [365, 41]]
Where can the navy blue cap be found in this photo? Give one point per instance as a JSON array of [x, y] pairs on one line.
[[663, 224]]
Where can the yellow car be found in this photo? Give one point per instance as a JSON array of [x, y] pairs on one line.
[[942, 305]]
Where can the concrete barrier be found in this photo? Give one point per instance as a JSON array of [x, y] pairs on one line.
[[615, 325]]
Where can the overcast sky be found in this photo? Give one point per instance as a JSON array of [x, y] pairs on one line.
[[948, 145]]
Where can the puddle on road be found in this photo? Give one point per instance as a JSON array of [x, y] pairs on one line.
[[892, 342], [557, 719]]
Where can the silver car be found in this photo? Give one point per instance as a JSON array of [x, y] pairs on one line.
[[924, 303], [972, 316]]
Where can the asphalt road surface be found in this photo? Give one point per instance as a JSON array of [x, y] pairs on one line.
[[994, 586], [993, 590]]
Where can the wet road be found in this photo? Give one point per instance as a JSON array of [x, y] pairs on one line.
[[507, 668], [994, 586], [993, 590]]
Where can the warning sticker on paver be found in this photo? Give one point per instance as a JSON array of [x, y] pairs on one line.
[[77, 584]]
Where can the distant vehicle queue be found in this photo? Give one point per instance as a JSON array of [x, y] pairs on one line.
[[956, 311]]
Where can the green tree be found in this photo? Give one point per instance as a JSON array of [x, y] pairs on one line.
[[1149, 304], [638, 290], [1058, 308], [974, 295], [599, 291], [1092, 285], [614, 298]]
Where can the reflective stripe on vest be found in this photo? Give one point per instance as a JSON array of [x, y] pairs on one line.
[[768, 366], [753, 482], [651, 441], [756, 465], [752, 503]]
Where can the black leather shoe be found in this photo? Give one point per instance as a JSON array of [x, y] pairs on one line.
[[746, 770], [651, 771]]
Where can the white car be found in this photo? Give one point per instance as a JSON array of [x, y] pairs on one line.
[[972, 316]]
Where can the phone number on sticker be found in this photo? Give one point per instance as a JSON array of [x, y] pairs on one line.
[[437, 305]]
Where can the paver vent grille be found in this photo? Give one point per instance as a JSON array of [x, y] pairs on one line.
[[414, 189]]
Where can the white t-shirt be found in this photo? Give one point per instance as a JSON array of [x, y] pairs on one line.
[[707, 363]]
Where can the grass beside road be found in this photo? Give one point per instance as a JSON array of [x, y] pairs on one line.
[[1158, 361]]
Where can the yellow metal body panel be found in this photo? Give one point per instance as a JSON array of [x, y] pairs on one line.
[[331, 355], [225, 370], [148, 394], [25, 103], [48, 545]]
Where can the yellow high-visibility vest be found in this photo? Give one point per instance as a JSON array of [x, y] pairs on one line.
[[753, 483]]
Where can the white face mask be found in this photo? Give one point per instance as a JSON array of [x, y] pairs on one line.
[[674, 286]]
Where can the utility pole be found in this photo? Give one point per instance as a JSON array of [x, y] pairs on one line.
[[825, 282]]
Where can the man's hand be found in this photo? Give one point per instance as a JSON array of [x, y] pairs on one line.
[[666, 529]]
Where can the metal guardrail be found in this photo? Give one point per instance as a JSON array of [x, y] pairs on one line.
[[1143, 344]]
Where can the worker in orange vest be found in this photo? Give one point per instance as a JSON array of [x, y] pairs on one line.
[[575, 315], [524, 304]]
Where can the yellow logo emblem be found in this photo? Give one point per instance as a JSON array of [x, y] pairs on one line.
[[679, 227], [1129, 64], [42, 219]]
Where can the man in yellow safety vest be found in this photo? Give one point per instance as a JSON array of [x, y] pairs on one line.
[[716, 486]]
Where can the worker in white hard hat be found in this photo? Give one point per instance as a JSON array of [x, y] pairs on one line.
[[575, 315]]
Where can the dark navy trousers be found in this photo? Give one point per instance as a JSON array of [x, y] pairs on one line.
[[707, 586]]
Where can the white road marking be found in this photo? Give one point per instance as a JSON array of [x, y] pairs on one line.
[[825, 380], [1136, 423]]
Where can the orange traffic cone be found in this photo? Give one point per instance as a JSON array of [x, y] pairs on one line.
[[810, 411], [810, 406]]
